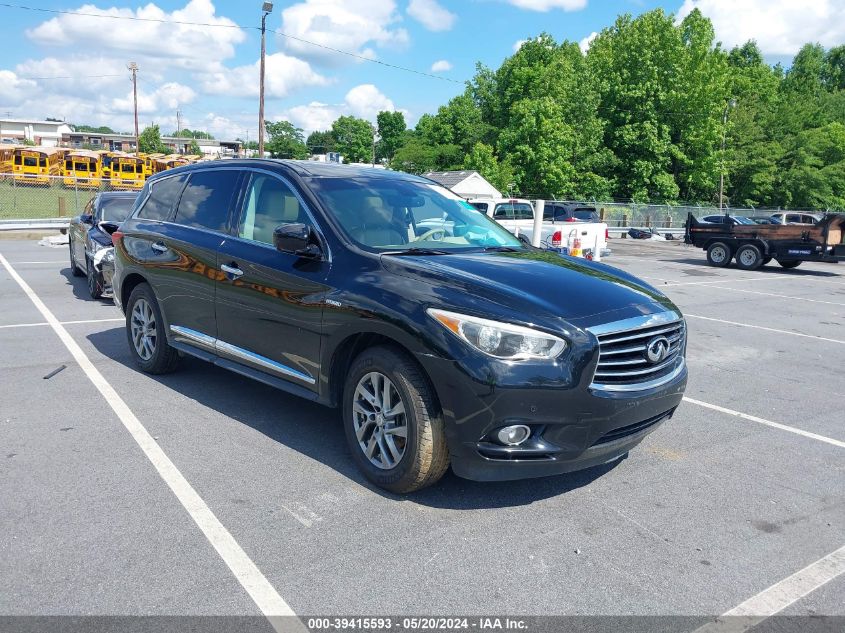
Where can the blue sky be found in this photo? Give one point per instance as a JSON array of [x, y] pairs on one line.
[[210, 73]]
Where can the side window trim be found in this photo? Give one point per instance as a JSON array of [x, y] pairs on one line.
[[250, 173], [149, 186]]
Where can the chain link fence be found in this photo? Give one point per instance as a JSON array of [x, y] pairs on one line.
[[56, 199]]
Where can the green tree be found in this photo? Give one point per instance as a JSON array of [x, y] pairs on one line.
[[354, 139], [391, 130], [285, 140], [194, 148], [149, 141], [320, 142], [483, 160], [186, 133], [103, 129]]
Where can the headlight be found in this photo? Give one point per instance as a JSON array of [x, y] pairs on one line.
[[500, 340]]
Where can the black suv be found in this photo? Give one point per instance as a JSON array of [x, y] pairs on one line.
[[442, 338], [569, 212]]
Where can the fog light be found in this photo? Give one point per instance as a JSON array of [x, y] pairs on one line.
[[513, 435]]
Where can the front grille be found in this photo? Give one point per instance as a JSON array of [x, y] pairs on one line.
[[624, 362]]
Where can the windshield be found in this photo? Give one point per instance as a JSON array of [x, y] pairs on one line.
[[115, 209], [389, 214]]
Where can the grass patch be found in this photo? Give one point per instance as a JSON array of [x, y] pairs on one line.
[[41, 201]]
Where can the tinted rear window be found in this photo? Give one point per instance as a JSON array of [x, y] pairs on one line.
[[206, 200], [162, 198]]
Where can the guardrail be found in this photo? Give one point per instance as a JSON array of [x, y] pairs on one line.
[[41, 224]]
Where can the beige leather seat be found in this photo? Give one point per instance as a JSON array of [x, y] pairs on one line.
[[376, 225]]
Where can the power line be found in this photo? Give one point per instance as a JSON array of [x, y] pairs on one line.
[[232, 26]]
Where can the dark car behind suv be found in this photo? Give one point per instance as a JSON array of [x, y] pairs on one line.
[[442, 337], [568, 212]]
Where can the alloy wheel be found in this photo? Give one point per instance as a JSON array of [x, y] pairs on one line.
[[379, 420], [143, 327]]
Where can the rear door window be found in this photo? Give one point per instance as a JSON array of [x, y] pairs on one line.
[[207, 198], [163, 194], [513, 211]]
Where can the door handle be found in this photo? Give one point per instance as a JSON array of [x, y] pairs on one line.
[[232, 270], [159, 247]]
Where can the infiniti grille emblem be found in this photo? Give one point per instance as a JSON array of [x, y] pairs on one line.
[[657, 350]]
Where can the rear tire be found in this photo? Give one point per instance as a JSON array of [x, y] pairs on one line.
[[145, 333], [719, 254], [74, 269], [389, 460], [749, 257], [788, 265]]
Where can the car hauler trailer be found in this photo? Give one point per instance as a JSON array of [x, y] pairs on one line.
[[756, 245]]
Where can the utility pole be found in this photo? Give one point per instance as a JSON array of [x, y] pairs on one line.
[[267, 8], [728, 105], [178, 122], [134, 68]]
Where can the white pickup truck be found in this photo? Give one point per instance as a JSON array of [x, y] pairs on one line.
[[561, 229]]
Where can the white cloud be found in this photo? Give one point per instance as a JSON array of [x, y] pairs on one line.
[[518, 44], [167, 96], [14, 89], [547, 5], [364, 101], [441, 66], [431, 15], [342, 24], [780, 27], [169, 44], [283, 75], [585, 43]]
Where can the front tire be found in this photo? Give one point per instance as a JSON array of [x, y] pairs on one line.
[[719, 254], [96, 284], [749, 257], [393, 423], [74, 269], [145, 333]]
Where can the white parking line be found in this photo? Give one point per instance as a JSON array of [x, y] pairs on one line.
[[42, 323], [774, 425], [253, 581], [727, 281], [772, 294], [766, 329], [779, 596]]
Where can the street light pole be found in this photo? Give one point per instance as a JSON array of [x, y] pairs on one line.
[[728, 105], [267, 8], [134, 68]]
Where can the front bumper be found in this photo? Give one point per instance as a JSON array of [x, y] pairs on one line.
[[573, 428]]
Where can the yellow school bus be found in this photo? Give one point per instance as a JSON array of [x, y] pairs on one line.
[[7, 156], [35, 164], [127, 172], [169, 162], [83, 169], [106, 157], [149, 162]]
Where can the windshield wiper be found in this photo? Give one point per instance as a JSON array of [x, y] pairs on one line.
[[501, 249], [416, 251]]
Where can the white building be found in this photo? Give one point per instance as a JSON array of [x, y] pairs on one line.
[[467, 183], [43, 133]]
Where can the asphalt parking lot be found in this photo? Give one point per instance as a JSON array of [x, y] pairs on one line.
[[740, 491]]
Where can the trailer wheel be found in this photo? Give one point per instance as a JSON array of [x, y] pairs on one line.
[[719, 254], [790, 264], [749, 257]]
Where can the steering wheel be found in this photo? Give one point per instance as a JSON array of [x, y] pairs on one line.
[[430, 233]]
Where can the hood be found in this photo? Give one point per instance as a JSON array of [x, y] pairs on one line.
[[538, 283]]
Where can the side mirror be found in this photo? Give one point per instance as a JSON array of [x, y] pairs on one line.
[[298, 239], [86, 218], [108, 227]]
